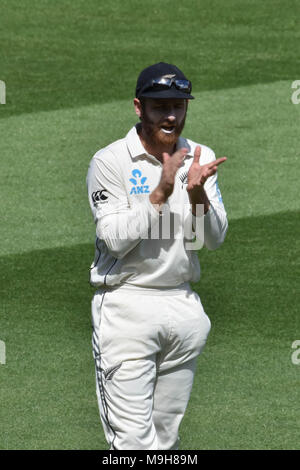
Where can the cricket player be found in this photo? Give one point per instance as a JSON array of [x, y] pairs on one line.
[[155, 200]]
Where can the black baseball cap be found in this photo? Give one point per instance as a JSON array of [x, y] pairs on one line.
[[163, 80]]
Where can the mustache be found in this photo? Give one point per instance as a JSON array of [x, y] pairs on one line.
[[169, 124], [161, 124], [153, 128]]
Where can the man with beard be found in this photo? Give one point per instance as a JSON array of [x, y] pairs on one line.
[[151, 193]]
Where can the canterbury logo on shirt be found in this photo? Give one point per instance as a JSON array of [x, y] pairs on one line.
[[99, 196], [139, 186]]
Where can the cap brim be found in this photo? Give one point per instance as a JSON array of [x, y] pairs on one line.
[[167, 93]]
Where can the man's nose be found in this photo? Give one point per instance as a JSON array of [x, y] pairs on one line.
[[171, 116]]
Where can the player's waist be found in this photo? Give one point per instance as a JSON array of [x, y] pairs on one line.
[[184, 287]]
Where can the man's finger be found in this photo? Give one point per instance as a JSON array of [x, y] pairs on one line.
[[181, 152], [217, 162], [165, 156], [197, 154]]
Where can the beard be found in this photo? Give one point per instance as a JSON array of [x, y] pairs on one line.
[[155, 136]]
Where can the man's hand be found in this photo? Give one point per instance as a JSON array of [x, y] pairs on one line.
[[171, 163], [197, 177]]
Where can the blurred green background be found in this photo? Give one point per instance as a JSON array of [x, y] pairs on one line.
[[70, 69]]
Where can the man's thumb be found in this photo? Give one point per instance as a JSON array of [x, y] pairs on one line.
[[197, 154]]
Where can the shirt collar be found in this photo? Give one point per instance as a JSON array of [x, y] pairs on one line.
[[134, 143], [136, 149]]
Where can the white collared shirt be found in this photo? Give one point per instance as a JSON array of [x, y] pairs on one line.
[[135, 244]]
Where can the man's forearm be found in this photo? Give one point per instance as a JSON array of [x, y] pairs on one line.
[[157, 197], [199, 198], [122, 231]]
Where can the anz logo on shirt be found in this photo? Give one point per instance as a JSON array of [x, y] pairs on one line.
[[138, 182]]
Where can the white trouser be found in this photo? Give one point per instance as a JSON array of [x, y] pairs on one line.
[[145, 346]]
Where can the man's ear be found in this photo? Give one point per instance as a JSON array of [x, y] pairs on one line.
[[137, 107]]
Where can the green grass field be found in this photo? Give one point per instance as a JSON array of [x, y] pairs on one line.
[[70, 70]]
